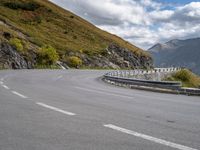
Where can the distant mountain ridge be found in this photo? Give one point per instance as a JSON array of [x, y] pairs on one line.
[[181, 53]]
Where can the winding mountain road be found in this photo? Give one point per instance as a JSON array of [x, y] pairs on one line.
[[75, 110]]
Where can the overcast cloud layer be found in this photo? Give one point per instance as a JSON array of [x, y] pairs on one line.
[[142, 22]]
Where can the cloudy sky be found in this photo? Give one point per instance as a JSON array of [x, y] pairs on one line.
[[141, 22]]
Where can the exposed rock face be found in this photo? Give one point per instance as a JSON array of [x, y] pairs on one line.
[[99, 62], [11, 59], [116, 58], [124, 58]]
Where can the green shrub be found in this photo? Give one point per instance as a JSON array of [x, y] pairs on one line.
[[47, 55], [183, 75], [187, 78], [32, 21], [75, 37], [75, 61], [17, 43], [30, 6], [65, 32]]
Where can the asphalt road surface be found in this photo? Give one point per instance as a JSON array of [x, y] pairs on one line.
[[75, 110]]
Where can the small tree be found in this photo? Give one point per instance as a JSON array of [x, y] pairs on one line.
[[75, 61], [47, 55]]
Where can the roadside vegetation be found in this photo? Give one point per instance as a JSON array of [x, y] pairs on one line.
[[74, 62], [47, 56], [187, 78], [17, 44], [20, 45]]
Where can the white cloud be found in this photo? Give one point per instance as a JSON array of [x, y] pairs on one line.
[[188, 13], [107, 11], [142, 22], [161, 15]]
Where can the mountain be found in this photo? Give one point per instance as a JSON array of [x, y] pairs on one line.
[[180, 53], [38, 33]]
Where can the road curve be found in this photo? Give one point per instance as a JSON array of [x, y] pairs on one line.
[[75, 110]]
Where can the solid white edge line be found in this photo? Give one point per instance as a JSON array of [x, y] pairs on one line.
[[59, 77], [149, 138], [56, 109], [102, 92], [18, 94], [6, 87]]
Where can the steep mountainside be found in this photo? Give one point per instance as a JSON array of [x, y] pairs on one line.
[[182, 53], [34, 29]]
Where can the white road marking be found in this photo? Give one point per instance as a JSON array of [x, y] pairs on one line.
[[101, 92], [1, 82], [118, 95], [6, 87], [18, 94], [59, 77], [149, 138], [56, 109], [130, 97]]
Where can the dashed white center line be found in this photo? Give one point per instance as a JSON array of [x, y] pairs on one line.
[[56, 109], [6, 87], [149, 138], [18, 94]]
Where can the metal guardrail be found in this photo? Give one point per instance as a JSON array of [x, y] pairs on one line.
[[156, 84], [128, 78], [128, 73], [123, 77]]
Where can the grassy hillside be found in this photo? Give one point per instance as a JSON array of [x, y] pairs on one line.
[[44, 23], [187, 78]]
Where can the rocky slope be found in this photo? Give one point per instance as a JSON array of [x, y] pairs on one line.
[[180, 53], [28, 25], [9, 58]]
